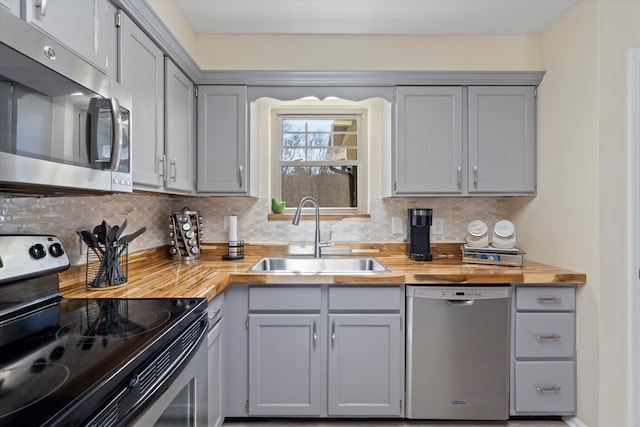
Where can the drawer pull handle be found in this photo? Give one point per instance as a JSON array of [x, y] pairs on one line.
[[553, 337], [543, 300], [552, 389]]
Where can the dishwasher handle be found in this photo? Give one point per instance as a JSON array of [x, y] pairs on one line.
[[460, 301], [459, 294]]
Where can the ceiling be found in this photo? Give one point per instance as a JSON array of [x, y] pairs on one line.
[[372, 16]]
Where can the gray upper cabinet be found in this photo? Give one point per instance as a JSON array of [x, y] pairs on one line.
[[223, 152], [464, 141], [12, 6], [501, 140], [142, 71], [179, 130], [84, 26], [428, 150]]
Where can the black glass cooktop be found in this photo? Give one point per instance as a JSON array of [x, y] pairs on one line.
[[60, 363]]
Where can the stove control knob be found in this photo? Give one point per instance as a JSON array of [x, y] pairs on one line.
[[37, 251], [56, 250]]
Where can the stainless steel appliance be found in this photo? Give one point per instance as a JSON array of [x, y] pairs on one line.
[[99, 362], [458, 352], [418, 234], [64, 125]]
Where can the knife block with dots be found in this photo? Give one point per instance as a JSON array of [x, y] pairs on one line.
[[185, 234]]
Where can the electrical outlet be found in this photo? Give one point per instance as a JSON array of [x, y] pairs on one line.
[[437, 226], [396, 225]]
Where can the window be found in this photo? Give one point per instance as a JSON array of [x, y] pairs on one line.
[[321, 154]]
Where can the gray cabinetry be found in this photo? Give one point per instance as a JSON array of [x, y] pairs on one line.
[[501, 139], [179, 147], [454, 140], [12, 6], [543, 351], [326, 351], [223, 152], [285, 351], [428, 152], [142, 71], [86, 27], [235, 353], [214, 342]]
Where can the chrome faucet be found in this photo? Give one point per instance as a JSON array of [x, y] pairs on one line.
[[296, 220]]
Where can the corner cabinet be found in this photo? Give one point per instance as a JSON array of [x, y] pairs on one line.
[[142, 72], [543, 350], [223, 146], [455, 140], [326, 351]]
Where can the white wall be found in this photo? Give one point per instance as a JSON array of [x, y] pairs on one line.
[[583, 203]]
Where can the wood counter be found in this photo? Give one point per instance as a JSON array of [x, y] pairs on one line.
[[152, 274]]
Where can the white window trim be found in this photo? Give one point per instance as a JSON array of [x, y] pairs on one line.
[[363, 153]]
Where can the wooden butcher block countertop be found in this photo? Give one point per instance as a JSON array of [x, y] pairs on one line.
[[153, 274]]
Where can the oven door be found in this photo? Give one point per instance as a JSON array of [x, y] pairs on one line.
[[184, 403]]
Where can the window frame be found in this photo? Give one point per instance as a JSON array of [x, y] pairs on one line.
[[332, 111]]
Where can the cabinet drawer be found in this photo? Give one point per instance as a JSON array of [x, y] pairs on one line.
[[545, 298], [545, 387], [545, 335], [370, 298], [288, 298]]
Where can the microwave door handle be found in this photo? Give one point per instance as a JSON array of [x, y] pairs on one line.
[[116, 134]]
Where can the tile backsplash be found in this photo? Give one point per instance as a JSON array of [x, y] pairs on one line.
[[62, 216]]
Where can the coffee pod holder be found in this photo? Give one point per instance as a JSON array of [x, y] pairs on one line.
[[185, 234]]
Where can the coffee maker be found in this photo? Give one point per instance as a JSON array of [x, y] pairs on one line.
[[418, 228]]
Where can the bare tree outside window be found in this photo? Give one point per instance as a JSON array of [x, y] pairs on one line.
[[319, 158]]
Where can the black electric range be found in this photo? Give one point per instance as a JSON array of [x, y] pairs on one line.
[[62, 361]]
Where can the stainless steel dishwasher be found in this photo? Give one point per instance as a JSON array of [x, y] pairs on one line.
[[458, 352]]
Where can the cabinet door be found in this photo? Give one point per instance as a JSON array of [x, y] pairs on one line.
[[179, 132], [142, 72], [364, 365], [222, 140], [12, 6], [83, 26], [284, 364], [501, 139], [428, 153], [214, 342]]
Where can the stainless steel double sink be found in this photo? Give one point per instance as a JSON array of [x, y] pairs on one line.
[[342, 265]]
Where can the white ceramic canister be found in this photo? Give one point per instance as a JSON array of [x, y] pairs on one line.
[[504, 235], [477, 234]]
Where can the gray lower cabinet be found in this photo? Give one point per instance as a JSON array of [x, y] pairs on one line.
[[317, 351], [215, 371], [223, 146], [84, 26], [364, 365], [543, 380], [141, 67]]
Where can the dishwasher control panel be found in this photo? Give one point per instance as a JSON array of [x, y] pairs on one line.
[[458, 293]]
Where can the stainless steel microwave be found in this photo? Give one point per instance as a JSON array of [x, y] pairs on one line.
[[64, 125]]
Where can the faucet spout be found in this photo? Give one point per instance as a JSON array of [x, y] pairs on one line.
[[296, 220]]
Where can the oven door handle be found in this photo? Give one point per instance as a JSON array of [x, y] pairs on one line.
[[116, 134]]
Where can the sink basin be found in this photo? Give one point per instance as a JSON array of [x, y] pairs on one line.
[[345, 265]]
